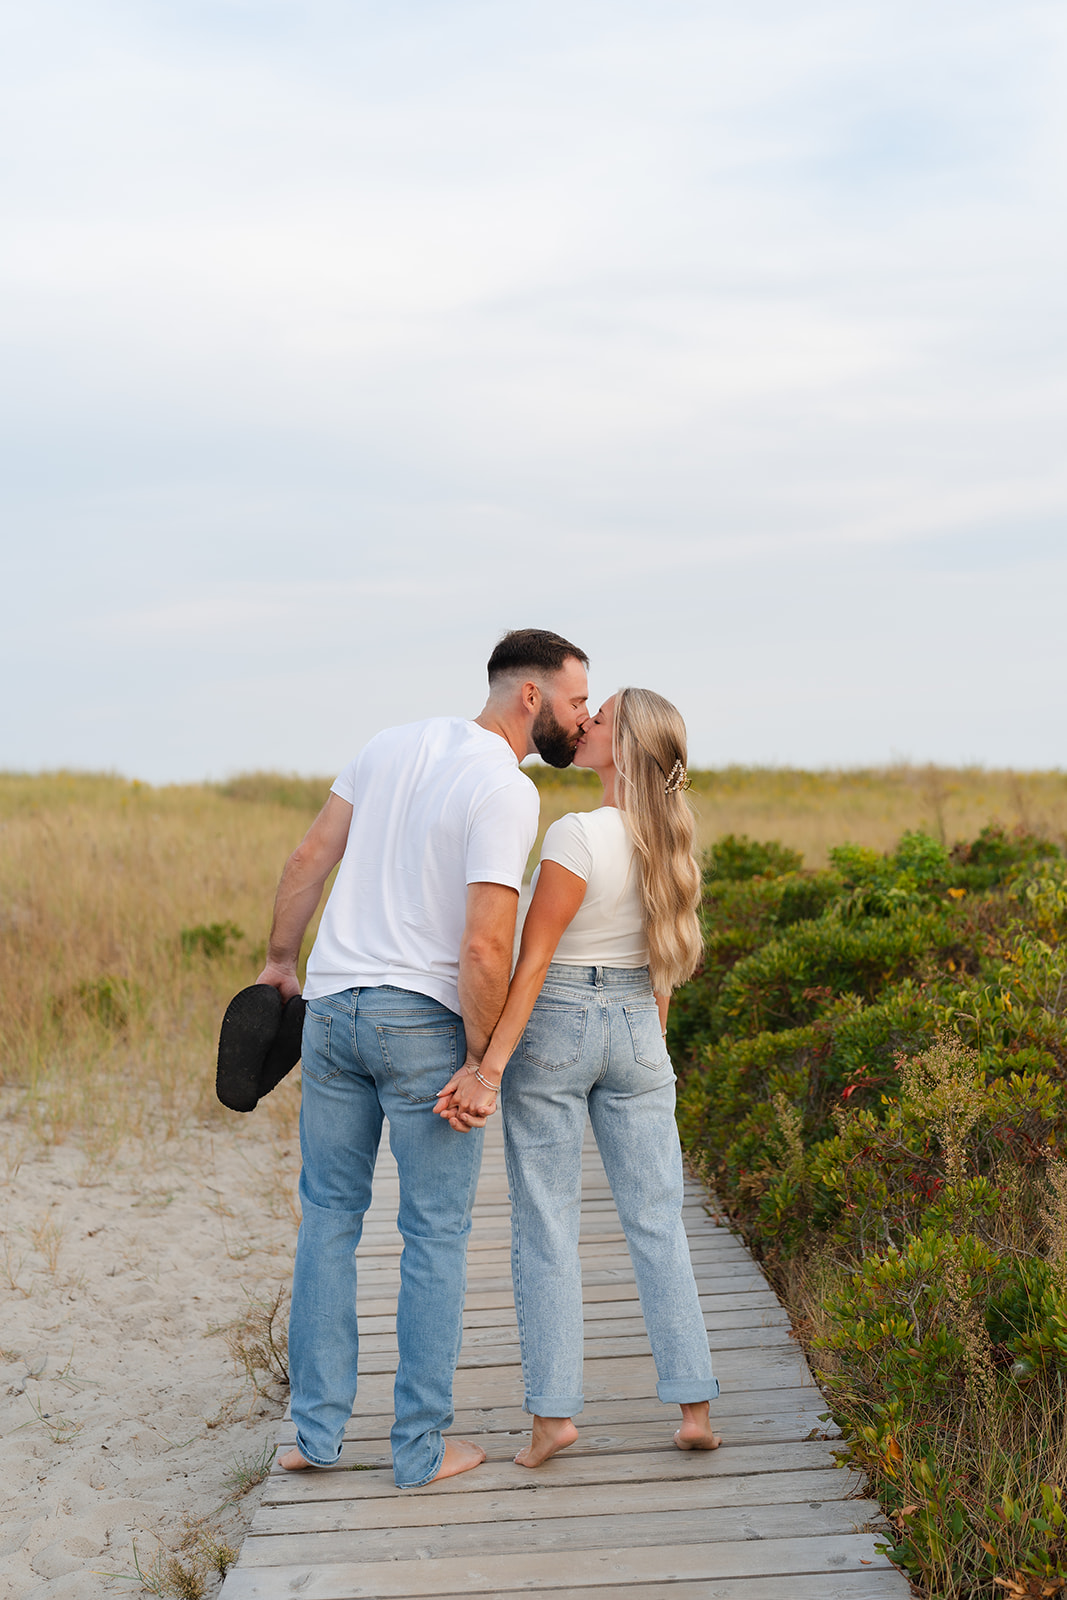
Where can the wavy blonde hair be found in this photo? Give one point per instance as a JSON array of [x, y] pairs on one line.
[[648, 738]]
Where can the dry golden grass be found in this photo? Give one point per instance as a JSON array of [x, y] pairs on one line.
[[109, 1022], [110, 1019]]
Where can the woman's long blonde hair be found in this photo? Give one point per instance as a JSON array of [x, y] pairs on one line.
[[649, 751]]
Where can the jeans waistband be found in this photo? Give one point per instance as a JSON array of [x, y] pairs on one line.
[[598, 977]]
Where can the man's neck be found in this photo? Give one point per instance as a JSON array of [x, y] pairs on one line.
[[512, 736]]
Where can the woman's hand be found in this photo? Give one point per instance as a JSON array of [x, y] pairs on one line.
[[465, 1101]]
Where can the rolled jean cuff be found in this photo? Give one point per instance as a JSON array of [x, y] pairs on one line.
[[687, 1392], [550, 1405], [307, 1455], [430, 1476]]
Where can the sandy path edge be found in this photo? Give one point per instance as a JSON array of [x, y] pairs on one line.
[[123, 1415]]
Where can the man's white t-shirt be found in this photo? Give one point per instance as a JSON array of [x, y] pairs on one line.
[[437, 805], [608, 929]]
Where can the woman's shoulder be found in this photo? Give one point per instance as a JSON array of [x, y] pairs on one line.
[[605, 818], [572, 825], [600, 830], [605, 822]]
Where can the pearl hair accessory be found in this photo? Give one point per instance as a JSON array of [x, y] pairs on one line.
[[677, 779]]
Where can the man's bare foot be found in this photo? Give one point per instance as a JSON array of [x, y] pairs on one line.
[[460, 1456], [293, 1461], [549, 1435], [695, 1432]]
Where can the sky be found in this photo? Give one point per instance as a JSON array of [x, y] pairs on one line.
[[726, 339]]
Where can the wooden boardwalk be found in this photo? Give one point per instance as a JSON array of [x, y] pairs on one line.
[[622, 1514]]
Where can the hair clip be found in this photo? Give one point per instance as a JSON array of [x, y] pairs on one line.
[[677, 779]]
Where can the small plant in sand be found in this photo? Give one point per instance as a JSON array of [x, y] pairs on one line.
[[259, 1345], [170, 1576], [216, 1555], [11, 1264], [47, 1239], [183, 1574], [248, 1471], [61, 1430]]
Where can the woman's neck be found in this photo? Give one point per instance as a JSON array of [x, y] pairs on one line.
[[608, 778]]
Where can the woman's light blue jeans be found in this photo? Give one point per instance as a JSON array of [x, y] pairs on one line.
[[594, 1041], [369, 1054]]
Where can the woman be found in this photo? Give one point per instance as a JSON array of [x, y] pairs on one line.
[[611, 930]]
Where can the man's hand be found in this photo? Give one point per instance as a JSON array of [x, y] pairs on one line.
[[465, 1102], [282, 978]]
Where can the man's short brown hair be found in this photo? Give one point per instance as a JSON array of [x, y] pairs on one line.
[[532, 650]]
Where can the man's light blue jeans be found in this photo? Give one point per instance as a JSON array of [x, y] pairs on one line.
[[369, 1054], [594, 1041]]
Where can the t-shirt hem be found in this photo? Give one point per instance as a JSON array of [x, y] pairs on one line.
[[320, 988], [608, 961], [510, 882]]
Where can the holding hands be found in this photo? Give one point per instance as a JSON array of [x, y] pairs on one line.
[[468, 1099]]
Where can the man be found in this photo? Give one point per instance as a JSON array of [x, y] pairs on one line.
[[432, 825]]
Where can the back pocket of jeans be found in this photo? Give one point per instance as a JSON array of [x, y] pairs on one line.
[[554, 1036], [650, 1047], [315, 1058], [419, 1060]]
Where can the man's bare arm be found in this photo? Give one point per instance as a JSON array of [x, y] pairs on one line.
[[300, 891], [485, 961]]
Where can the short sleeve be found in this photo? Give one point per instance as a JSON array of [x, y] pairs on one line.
[[344, 785], [502, 833], [567, 843]]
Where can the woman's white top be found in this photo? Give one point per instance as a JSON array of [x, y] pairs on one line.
[[608, 928]]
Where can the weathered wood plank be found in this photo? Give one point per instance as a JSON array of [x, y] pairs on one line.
[[878, 1584], [370, 1444], [501, 1575], [377, 1274], [873, 1583], [741, 1274], [565, 1535], [624, 1319], [570, 1471], [782, 1403], [652, 1440], [542, 1501], [494, 1352], [502, 1313], [613, 1377]]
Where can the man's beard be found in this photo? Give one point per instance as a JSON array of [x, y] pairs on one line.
[[551, 740]]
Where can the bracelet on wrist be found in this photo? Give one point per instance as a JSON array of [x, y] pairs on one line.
[[494, 1086]]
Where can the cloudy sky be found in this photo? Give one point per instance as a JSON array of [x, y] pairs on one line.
[[727, 339]]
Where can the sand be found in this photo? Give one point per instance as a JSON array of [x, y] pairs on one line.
[[123, 1411]]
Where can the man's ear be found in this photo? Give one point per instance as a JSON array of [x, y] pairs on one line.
[[531, 697]]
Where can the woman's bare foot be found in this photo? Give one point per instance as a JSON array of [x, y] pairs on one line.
[[695, 1432], [549, 1435], [293, 1461], [460, 1456]]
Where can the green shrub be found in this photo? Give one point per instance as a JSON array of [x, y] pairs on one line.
[[210, 939], [735, 858], [108, 1000]]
